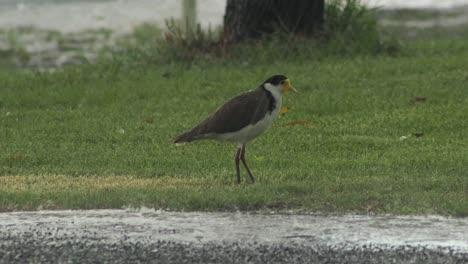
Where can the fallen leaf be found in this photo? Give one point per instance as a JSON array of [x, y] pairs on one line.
[[420, 99], [17, 157], [150, 120], [298, 123]]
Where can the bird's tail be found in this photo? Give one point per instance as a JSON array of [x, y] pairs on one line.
[[186, 137]]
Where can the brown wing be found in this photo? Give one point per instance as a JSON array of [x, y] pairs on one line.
[[238, 112]]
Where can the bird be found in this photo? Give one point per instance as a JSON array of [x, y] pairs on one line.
[[243, 118]]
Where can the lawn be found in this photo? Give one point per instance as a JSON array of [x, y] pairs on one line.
[[369, 134]]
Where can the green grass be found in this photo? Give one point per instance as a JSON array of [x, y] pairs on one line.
[[100, 136]]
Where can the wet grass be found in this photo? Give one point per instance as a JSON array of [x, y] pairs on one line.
[[380, 134]]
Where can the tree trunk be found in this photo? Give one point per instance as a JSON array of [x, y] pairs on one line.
[[253, 18]]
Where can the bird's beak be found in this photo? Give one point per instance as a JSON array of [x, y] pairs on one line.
[[288, 87]]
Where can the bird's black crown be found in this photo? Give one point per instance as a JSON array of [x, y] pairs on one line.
[[276, 79]]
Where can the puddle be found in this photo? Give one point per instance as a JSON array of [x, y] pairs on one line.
[[417, 3], [48, 34], [146, 226], [68, 16], [123, 15]]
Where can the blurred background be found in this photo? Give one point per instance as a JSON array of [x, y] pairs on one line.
[[51, 33]]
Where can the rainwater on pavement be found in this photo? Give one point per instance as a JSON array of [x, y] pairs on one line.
[[146, 225], [148, 235]]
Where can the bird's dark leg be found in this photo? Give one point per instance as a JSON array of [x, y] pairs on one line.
[[242, 158], [237, 164]]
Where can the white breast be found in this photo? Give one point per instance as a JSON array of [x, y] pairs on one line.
[[249, 132]]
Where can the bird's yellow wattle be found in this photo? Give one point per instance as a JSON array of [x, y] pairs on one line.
[[283, 110], [288, 87]]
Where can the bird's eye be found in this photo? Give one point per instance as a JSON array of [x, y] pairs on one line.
[[282, 82]]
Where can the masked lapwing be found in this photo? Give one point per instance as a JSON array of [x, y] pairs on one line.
[[243, 118]]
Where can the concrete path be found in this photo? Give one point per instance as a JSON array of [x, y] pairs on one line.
[[185, 237]]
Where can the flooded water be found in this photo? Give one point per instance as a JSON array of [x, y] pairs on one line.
[[117, 15], [124, 15], [147, 225], [54, 33], [417, 3]]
